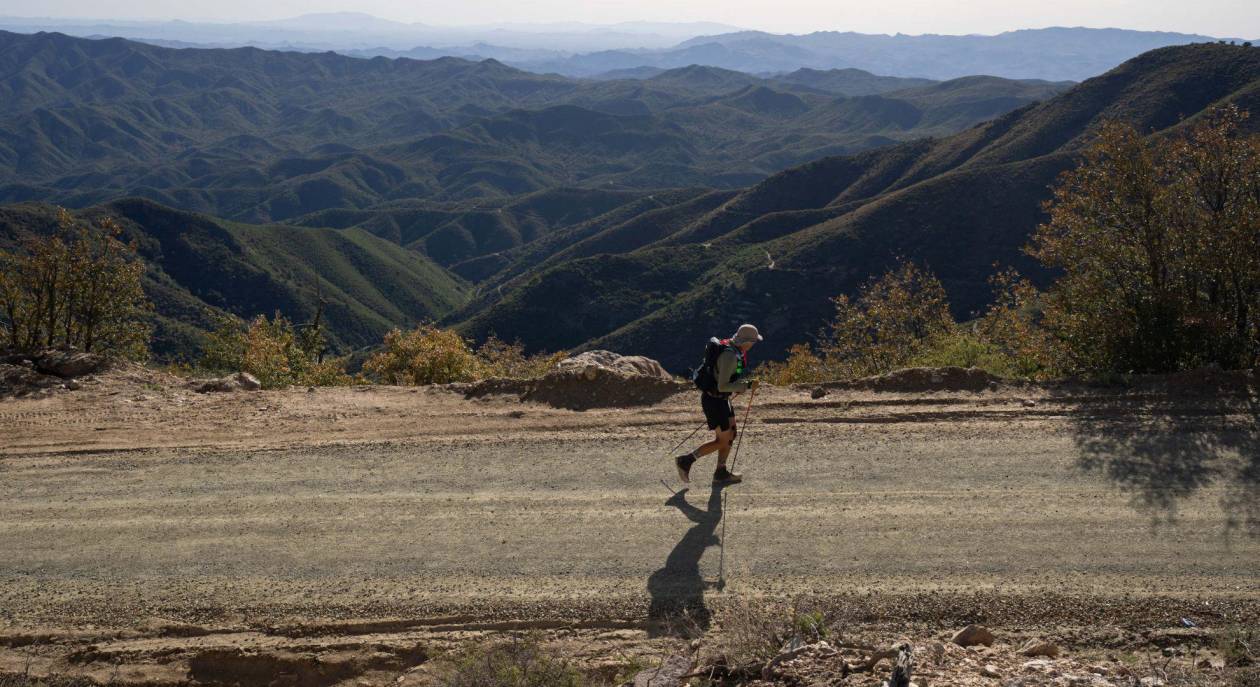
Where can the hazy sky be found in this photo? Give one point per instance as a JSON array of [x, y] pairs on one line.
[[1234, 18]]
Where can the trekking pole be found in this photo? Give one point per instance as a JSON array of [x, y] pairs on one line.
[[688, 438], [739, 439]]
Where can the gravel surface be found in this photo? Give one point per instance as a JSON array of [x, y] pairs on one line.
[[308, 513]]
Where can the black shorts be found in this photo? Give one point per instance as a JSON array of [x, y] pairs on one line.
[[717, 411]]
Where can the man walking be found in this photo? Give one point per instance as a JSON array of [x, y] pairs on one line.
[[727, 369]]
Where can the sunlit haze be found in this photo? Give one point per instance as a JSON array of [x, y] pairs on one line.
[[1231, 18]]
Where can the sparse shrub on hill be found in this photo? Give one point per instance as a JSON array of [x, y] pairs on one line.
[[431, 355], [903, 320], [1158, 243], [274, 351], [79, 288], [499, 358], [892, 319]]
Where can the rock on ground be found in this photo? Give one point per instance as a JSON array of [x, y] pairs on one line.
[[602, 379], [973, 635], [669, 674], [67, 364], [1040, 647], [241, 381]]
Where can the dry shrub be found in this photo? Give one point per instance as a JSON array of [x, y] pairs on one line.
[[902, 320], [431, 355], [755, 631], [424, 355], [28, 681], [501, 359], [892, 319], [517, 662], [274, 351]]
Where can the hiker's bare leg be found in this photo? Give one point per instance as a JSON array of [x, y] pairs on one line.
[[725, 449], [721, 443]]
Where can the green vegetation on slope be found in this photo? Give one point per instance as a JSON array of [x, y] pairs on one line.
[[198, 266]]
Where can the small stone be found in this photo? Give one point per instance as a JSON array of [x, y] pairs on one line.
[[817, 393], [1170, 651], [973, 635], [1029, 403], [990, 670], [1040, 647], [1151, 682], [1038, 666]]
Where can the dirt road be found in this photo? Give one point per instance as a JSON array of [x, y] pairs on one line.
[[382, 501], [303, 509]]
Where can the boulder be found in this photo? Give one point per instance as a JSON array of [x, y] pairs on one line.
[[66, 364], [1040, 647], [973, 635], [669, 674], [593, 364], [601, 379]]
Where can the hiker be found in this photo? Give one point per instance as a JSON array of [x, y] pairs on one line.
[[720, 376]]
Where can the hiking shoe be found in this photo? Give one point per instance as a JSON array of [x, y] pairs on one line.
[[724, 476], [684, 463]]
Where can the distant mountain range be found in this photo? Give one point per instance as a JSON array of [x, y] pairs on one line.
[[263, 136], [343, 31], [631, 214], [1055, 54], [584, 50]]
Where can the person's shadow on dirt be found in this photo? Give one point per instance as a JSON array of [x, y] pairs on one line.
[[677, 589]]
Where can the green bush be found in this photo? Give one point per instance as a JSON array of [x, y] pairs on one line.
[[1156, 239], [79, 288]]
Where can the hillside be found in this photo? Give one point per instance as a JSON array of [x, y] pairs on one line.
[[199, 266], [776, 252], [261, 136]]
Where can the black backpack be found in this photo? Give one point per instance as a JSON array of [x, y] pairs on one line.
[[705, 376]]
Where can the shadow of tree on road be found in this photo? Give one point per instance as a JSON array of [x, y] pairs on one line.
[[677, 589], [1163, 441]]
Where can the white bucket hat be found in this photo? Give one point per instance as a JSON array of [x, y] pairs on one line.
[[746, 334]]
